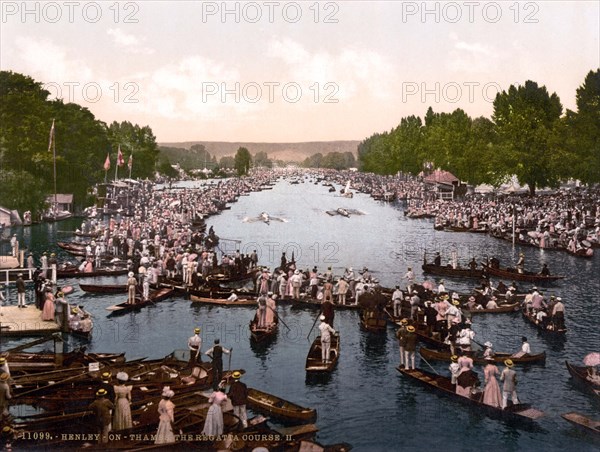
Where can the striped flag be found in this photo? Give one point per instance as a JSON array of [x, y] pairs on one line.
[[107, 162], [130, 162], [51, 140], [120, 158]]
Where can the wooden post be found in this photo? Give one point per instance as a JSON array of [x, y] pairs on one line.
[[21, 257]]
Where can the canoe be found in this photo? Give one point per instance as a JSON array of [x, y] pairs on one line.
[[313, 359], [514, 275], [523, 413], [223, 301], [279, 408], [502, 308], [582, 421], [154, 297], [104, 288], [451, 272], [546, 331], [499, 357], [75, 273], [375, 324], [316, 304], [262, 334], [580, 374]]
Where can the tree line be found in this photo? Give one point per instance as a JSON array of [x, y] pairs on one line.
[[528, 136], [82, 144]]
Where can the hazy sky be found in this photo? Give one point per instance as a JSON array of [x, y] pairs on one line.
[[295, 71]]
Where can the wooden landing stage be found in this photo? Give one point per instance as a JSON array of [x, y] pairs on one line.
[[16, 321]]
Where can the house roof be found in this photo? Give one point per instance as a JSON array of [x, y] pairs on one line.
[[441, 177]]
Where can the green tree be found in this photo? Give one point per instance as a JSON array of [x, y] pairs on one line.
[[22, 191], [262, 159], [525, 117], [137, 141], [242, 161], [581, 131], [227, 162]]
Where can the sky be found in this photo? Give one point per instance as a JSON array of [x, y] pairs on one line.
[[279, 71]]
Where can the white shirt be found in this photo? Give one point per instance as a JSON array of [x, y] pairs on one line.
[[326, 332], [525, 348]]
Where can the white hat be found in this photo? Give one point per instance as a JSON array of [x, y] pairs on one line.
[[322, 318], [122, 376], [487, 344], [130, 274], [167, 392]]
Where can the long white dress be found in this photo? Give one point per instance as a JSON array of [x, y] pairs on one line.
[[213, 426], [122, 416], [166, 411]]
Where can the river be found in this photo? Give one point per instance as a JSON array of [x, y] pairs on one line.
[[365, 401]]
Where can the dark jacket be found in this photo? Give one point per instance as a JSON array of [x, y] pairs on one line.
[[238, 393]]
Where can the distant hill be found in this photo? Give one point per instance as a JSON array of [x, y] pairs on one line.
[[289, 152]]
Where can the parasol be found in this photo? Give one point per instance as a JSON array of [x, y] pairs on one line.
[[592, 359]]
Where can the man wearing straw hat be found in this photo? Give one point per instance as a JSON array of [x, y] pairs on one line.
[[509, 377], [238, 394], [102, 408]]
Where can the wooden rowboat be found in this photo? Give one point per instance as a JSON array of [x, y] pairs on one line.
[[154, 297], [582, 421], [75, 273], [502, 308], [548, 330], [372, 321], [223, 301], [103, 288], [263, 334], [580, 374], [279, 408], [451, 272], [313, 359], [514, 275], [523, 413], [477, 357]]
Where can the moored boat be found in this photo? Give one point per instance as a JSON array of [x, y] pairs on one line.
[[103, 288], [313, 359], [547, 329], [580, 374], [279, 408], [502, 308], [245, 302], [372, 320], [478, 358], [75, 273], [523, 413]]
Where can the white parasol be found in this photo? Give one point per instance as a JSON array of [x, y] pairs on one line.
[[592, 359]]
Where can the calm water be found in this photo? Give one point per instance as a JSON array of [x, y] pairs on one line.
[[365, 401]]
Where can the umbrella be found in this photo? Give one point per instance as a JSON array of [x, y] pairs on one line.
[[592, 359]]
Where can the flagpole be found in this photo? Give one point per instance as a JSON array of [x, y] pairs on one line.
[[117, 165], [54, 158]]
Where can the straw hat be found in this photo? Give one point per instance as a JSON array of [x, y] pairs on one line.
[[410, 329], [508, 363], [488, 344], [197, 330], [404, 322], [454, 358], [101, 392], [236, 375]]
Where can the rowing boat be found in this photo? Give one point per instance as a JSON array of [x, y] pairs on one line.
[[103, 288], [451, 272], [502, 308], [580, 374], [523, 413], [373, 321], [514, 275], [582, 421], [478, 358], [279, 408], [154, 297], [223, 301], [75, 273], [262, 334], [313, 359], [548, 330]]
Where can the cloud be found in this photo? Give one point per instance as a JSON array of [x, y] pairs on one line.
[[353, 69], [128, 42], [471, 57]]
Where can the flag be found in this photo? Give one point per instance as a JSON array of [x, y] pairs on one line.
[[130, 162], [120, 159], [107, 163], [51, 140]]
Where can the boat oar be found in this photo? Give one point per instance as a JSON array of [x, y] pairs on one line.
[[230, 353], [427, 362], [279, 318], [49, 385], [313, 325]]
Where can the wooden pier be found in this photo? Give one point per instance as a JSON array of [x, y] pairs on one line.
[[16, 321]]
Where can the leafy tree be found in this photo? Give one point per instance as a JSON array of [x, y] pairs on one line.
[[137, 141], [242, 161], [262, 159], [227, 162], [22, 191], [525, 118], [581, 131]]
